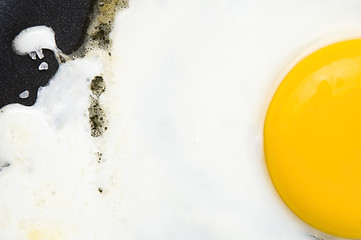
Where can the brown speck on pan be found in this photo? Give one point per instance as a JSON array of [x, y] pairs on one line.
[[101, 24], [99, 157]]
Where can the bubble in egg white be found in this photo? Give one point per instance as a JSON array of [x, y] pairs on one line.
[[24, 94], [43, 66]]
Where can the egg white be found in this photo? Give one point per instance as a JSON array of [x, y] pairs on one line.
[[188, 84]]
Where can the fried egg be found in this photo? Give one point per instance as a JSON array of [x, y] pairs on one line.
[[185, 92]]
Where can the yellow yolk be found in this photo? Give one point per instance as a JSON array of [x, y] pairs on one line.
[[312, 139]]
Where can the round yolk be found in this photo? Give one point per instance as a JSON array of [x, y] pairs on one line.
[[312, 139]]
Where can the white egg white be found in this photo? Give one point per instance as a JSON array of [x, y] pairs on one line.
[[187, 87], [34, 39]]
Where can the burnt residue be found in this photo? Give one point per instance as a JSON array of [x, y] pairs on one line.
[[101, 24], [99, 157], [98, 122], [62, 59], [4, 165], [97, 116], [313, 237], [101, 35], [97, 86]]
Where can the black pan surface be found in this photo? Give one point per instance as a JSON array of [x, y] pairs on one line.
[[69, 20]]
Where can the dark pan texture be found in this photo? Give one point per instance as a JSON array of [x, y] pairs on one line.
[[68, 18]]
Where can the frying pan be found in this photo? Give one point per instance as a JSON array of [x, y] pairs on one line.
[[69, 20]]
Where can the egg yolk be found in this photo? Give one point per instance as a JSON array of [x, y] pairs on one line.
[[312, 139]]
